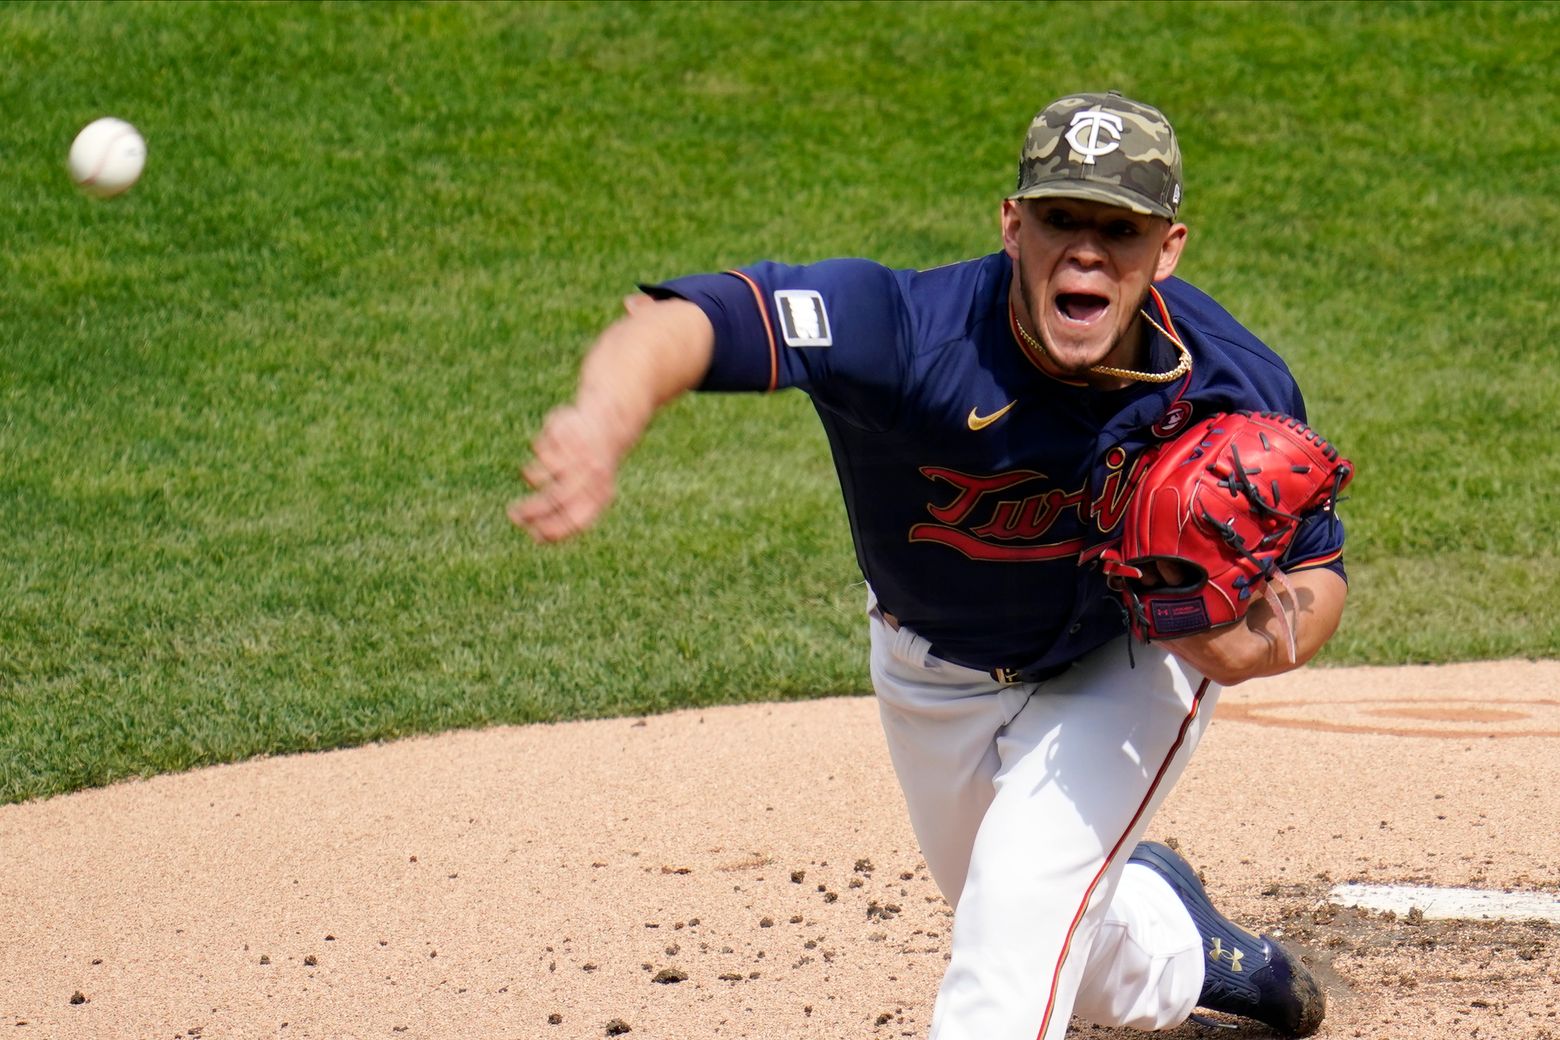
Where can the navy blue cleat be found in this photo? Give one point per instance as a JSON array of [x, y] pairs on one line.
[[1244, 975]]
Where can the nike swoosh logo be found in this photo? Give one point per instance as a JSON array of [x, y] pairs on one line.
[[980, 422]]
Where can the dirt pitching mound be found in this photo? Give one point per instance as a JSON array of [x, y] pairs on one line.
[[749, 872]]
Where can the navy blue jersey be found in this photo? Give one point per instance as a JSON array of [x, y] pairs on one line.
[[979, 488]]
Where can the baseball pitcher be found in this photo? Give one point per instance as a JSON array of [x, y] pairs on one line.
[[1084, 498]]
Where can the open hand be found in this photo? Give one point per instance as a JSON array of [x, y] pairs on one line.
[[573, 476]]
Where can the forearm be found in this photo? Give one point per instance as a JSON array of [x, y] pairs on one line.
[[638, 365], [1258, 644], [641, 363]]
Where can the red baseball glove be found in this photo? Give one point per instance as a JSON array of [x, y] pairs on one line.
[[1213, 512]]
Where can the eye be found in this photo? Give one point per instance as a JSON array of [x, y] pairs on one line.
[[1122, 229], [1059, 220]]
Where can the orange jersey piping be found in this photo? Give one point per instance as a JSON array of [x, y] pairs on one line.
[[1056, 975], [769, 330]]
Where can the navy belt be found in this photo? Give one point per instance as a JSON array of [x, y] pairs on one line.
[[1008, 676]]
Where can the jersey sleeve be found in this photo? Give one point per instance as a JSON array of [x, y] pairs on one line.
[[1318, 543], [1239, 371], [1319, 540], [838, 330]]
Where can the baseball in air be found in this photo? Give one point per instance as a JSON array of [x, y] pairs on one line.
[[107, 157]]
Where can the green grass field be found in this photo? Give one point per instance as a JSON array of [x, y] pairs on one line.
[[259, 417]]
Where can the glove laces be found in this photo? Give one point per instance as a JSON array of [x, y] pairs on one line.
[[1286, 616]]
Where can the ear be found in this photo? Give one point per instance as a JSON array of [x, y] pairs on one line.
[[1012, 219], [1170, 252]]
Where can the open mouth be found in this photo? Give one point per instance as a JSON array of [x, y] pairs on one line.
[[1083, 307]]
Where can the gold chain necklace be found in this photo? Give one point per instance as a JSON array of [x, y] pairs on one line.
[[1175, 373]]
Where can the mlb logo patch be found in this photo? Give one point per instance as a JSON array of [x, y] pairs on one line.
[[804, 322], [1176, 418]]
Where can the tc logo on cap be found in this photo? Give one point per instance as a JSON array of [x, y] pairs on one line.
[[1103, 148], [1091, 123]]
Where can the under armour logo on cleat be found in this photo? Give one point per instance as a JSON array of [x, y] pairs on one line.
[[1217, 952]]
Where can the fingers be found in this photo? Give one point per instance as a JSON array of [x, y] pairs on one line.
[[572, 475], [561, 510], [1162, 572], [552, 516]]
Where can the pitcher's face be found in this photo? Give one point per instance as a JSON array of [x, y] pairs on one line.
[[1082, 270]]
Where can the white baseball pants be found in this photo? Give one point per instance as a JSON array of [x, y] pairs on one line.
[[1027, 801]]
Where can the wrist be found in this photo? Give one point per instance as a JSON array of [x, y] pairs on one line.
[[619, 419]]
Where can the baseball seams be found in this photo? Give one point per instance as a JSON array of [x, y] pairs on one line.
[[106, 153]]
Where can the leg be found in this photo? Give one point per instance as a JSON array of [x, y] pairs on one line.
[[940, 722], [1145, 968], [1082, 768]]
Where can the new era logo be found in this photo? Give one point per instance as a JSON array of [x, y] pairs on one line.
[[804, 322]]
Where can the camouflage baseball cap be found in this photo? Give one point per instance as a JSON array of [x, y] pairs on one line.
[[1104, 148]]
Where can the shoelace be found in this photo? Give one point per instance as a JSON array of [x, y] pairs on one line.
[[1208, 1023]]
